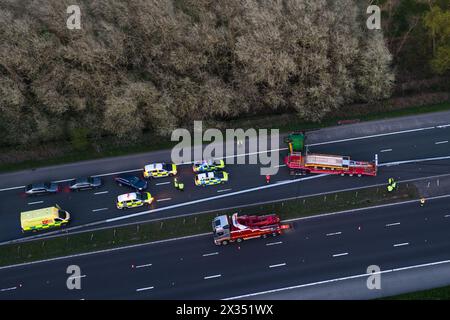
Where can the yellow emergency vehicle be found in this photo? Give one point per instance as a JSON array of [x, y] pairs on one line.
[[159, 170], [133, 200], [211, 178], [42, 219]]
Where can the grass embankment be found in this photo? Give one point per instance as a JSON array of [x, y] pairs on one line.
[[442, 293], [201, 223], [111, 147]]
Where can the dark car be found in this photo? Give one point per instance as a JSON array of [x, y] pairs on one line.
[[41, 188], [85, 183], [131, 181]]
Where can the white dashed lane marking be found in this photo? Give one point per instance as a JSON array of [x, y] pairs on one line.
[[144, 289], [340, 254], [210, 254], [393, 224], [102, 192], [334, 234], [144, 266], [401, 244], [36, 202], [277, 265], [274, 243], [162, 183]]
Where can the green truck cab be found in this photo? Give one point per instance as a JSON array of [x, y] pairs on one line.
[[296, 141]]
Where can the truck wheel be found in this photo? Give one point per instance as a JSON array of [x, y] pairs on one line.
[[264, 236], [274, 234], [224, 242], [239, 240], [342, 174]]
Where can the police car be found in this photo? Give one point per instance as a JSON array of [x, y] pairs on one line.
[[211, 178], [207, 166], [159, 170], [133, 200]]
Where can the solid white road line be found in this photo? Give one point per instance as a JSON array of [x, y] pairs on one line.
[[386, 150], [340, 254], [37, 202], [274, 243], [447, 216], [364, 275], [372, 136], [224, 190], [102, 192], [117, 172], [396, 163], [393, 224], [144, 289], [65, 180], [143, 266], [8, 289], [334, 233], [164, 199], [401, 244], [101, 209], [441, 142], [210, 254], [162, 183], [443, 126], [277, 265], [212, 277], [12, 188]]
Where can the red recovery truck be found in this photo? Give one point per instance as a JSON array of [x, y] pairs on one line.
[[241, 228], [329, 164]]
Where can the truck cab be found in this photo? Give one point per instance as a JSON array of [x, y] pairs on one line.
[[221, 229]]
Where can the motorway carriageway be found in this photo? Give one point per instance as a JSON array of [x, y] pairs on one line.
[[317, 249], [99, 205]]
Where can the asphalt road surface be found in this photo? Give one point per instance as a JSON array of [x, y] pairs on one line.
[[316, 250], [245, 186]]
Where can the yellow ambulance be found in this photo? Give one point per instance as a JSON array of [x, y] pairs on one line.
[[42, 219]]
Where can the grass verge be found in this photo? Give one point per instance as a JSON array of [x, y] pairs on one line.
[[196, 224], [111, 147], [442, 293]]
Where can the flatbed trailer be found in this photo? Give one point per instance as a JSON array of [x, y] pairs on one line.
[[230, 229], [329, 164]]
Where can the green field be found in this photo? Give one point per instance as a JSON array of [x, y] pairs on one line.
[[196, 224], [442, 293]]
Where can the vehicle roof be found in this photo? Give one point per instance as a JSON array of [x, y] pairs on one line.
[[39, 214], [206, 175], [223, 221], [154, 166], [127, 197]]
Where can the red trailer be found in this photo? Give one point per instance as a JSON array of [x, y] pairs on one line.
[[329, 164], [241, 228]]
